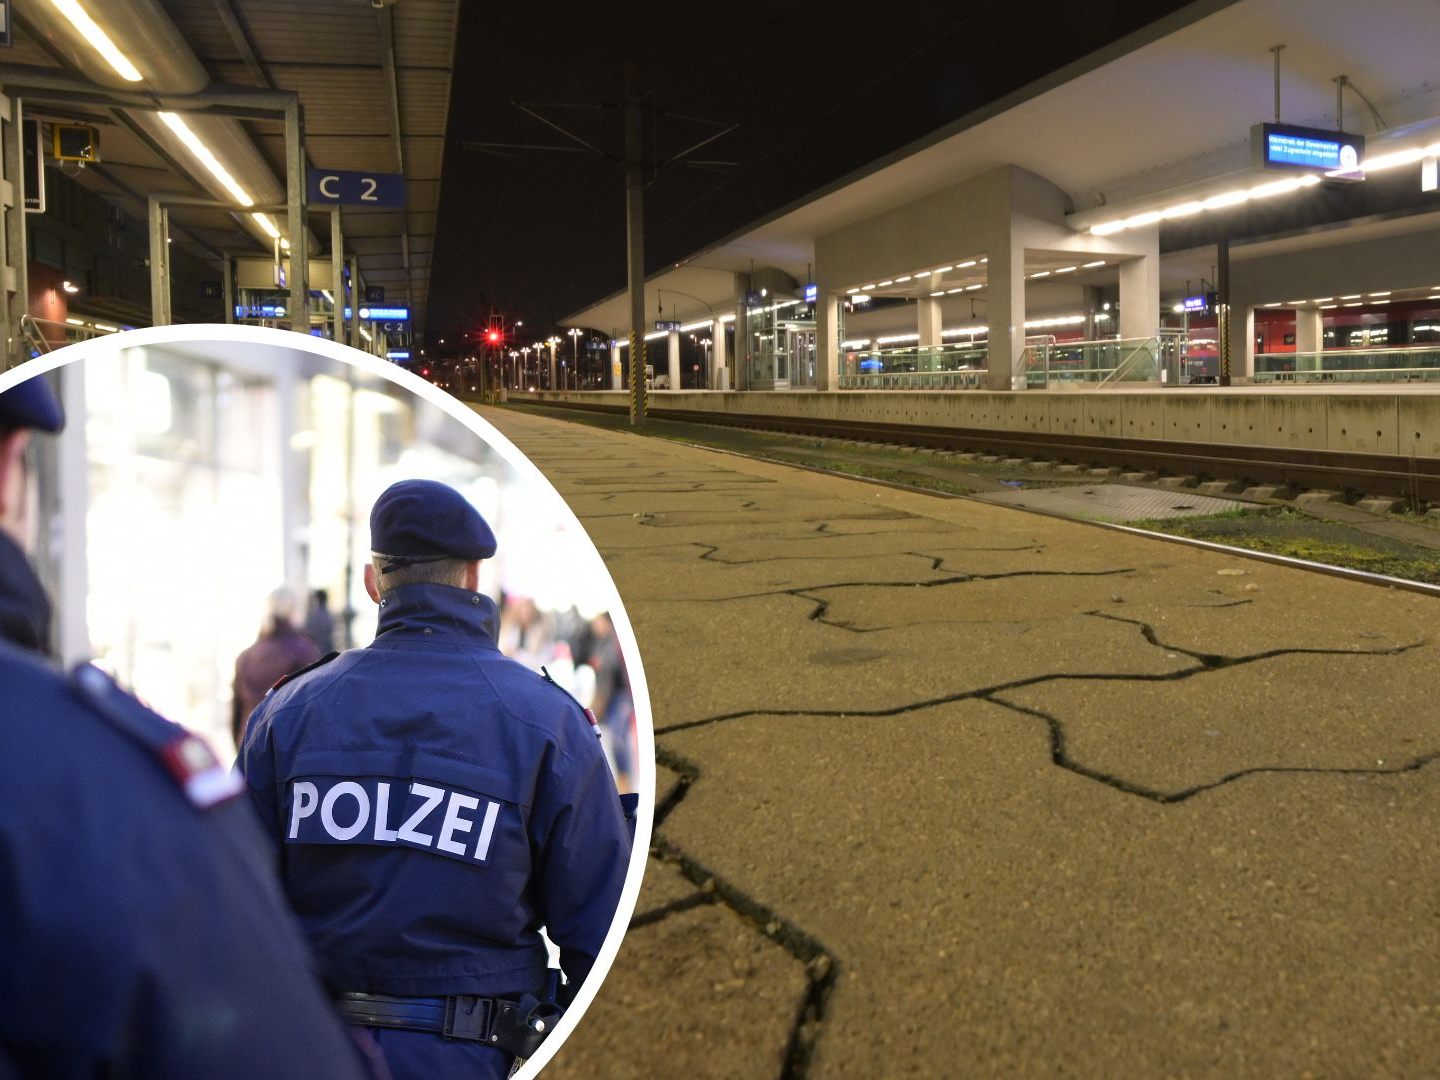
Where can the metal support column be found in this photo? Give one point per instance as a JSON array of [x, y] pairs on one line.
[[228, 265], [159, 263], [1223, 317], [17, 259], [337, 275], [635, 251], [356, 292], [299, 309]]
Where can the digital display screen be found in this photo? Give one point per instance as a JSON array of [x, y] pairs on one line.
[[393, 313], [812, 293], [1194, 303], [1281, 146]]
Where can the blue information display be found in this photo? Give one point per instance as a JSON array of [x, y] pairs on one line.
[[1283, 146], [812, 293], [338, 187], [392, 314], [1194, 303]]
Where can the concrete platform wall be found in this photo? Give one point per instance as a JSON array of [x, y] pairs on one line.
[[1405, 423]]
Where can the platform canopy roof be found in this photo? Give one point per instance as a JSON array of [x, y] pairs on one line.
[[374, 86], [1167, 107]]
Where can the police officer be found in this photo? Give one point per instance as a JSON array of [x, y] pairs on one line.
[[141, 929], [436, 804]]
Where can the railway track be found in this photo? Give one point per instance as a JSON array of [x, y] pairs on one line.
[[1413, 479]]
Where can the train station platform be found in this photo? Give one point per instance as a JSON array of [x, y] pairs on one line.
[[950, 789], [1403, 421]]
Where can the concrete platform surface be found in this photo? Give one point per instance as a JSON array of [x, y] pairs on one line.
[[951, 789]]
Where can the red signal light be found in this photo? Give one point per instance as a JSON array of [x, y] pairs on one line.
[[425, 371], [493, 337]]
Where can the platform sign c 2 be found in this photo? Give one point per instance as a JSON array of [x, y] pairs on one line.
[[339, 187]]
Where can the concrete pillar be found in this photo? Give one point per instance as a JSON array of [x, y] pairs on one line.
[[740, 362], [827, 342], [1140, 291], [928, 318], [672, 358], [552, 366], [615, 364], [717, 380], [1242, 339], [1006, 315], [1309, 338]]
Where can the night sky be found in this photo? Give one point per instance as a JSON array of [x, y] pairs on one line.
[[819, 89]]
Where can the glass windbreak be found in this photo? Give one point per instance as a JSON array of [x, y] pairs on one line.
[[1350, 365]]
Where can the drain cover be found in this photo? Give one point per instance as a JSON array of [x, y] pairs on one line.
[[1116, 502]]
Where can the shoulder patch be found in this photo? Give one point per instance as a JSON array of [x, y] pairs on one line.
[[307, 668], [184, 756], [545, 675]]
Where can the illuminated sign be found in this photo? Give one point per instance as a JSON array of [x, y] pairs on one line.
[[812, 293], [259, 311], [1283, 146], [667, 324], [394, 313], [398, 354], [1204, 303]]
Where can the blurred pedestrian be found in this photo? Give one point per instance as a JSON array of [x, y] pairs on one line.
[[141, 930], [319, 623], [437, 804], [280, 649]]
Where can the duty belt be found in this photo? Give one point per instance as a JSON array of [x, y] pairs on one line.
[[515, 1026]]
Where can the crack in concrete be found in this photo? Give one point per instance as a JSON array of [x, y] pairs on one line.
[[821, 966]]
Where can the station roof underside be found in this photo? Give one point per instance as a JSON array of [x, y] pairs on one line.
[[333, 54], [1169, 106]]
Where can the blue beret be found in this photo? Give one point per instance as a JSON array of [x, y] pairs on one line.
[[31, 404], [423, 520]]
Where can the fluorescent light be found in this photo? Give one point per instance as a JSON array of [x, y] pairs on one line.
[[1353, 305], [698, 325], [1322, 300], [884, 283], [1067, 269], [1385, 293], [852, 290], [70, 287], [923, 273], [75, 322], [938, 292], [328, 298], [972, 288], [900, 280], [1185, 209], [966, 264], [98, 39], [1092, 265], [860, 298], [950, 291], [1295, 303], [1328, 307], [176, 123], [896, 337], [866, 288], [263, 220], [942, 269], [856, 344], [1275, 304], [1040, 273], [365, 333], [1352, 296]]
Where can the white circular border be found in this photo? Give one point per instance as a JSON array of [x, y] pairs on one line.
[[645, 722]]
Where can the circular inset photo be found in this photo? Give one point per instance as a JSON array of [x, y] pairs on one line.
[[328, 736]]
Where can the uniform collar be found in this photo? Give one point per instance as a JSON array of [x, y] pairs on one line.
[[24, 608], [425, 610]]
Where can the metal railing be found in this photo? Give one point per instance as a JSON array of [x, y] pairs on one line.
[[47, 335], [1418, 363], [1108, 362], [916, 367]]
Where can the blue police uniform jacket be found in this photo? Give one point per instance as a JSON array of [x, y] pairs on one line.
[[435, 804], [142, 932]]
